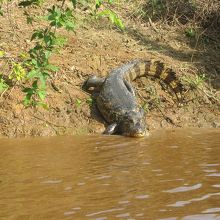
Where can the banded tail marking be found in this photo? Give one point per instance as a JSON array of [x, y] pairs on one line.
[[167, 75], [155, 69], [138, 70]]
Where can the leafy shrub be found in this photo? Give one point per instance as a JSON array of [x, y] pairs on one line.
[[35, 68]]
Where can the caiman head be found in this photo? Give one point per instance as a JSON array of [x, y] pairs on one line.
[[133, 124]]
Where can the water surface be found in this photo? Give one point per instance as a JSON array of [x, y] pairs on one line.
[[169, 175]]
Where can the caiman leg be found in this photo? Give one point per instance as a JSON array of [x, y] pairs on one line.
[[93, 82], [111, 129], [129, 87]]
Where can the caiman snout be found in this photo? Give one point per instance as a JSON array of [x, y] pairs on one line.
[[133, 124], [136, 130], [139, 133]]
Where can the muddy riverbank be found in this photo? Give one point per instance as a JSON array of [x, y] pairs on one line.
[[98, 49]]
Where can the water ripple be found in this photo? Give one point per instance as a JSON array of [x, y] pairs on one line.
[[104, 211], [123, 215], [200, 217], [210, 165], [211, 210], [184, 188], [210, 171], [52, 181], [142, 197], [213, 174], [183, 203]]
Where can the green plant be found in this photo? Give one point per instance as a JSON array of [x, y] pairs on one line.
[[78, 102], [2, 53], [157, 6], [1, 12], [151, 100], [145, 106], [18, 72], [107, 12], [90, 101], [194, 82], [34, 69], [190, 32], [3, 85]]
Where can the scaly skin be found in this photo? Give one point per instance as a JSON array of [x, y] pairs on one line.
[[116, 100]]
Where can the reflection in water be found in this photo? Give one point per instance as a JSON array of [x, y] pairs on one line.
[[183, 203], [169, 175], [184, 188]]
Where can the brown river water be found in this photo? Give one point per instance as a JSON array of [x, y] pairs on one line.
[[169, 175]]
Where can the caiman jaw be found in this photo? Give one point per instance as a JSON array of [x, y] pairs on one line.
[[139, 134]]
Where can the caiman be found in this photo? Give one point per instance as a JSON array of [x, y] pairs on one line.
[[116, 99]]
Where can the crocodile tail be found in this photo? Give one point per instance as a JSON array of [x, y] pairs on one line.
[[158, 70]]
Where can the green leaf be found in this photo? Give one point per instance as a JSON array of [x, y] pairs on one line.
[[27, 101], [47, 54], [48, 40], [32, 74], [27, 3], [98, 3], [78, 102], [42, 94], [43, 105], [28, 90], [1, 12], [2, 53], [52, 67], [59, 41], [38, 34], [69, 25], [3, 85], [190, 32], [18, 72], [113, 17], [34, 85], [118, 22], [90, 101], [29, 18], [74, 3]]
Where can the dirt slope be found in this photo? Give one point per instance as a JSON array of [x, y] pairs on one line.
[[96, 50]]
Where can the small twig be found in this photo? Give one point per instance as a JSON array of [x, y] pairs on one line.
[[152, 25], [168, 119], [9, 16], [48, 122], [197, 41], [209, 95], [3, 93], [63, 2]]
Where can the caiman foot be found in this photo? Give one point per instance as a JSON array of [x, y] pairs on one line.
[[93, 82]]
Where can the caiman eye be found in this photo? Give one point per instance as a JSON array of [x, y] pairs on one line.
[[130, 120], [138, 124]]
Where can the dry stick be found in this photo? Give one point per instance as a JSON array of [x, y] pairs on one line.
[[10, 21], [152, 25], [52, 125], [63, 2], [3, 92], [209, 95], [167, 118], [42, 119], [197, 41], [7, 62]]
